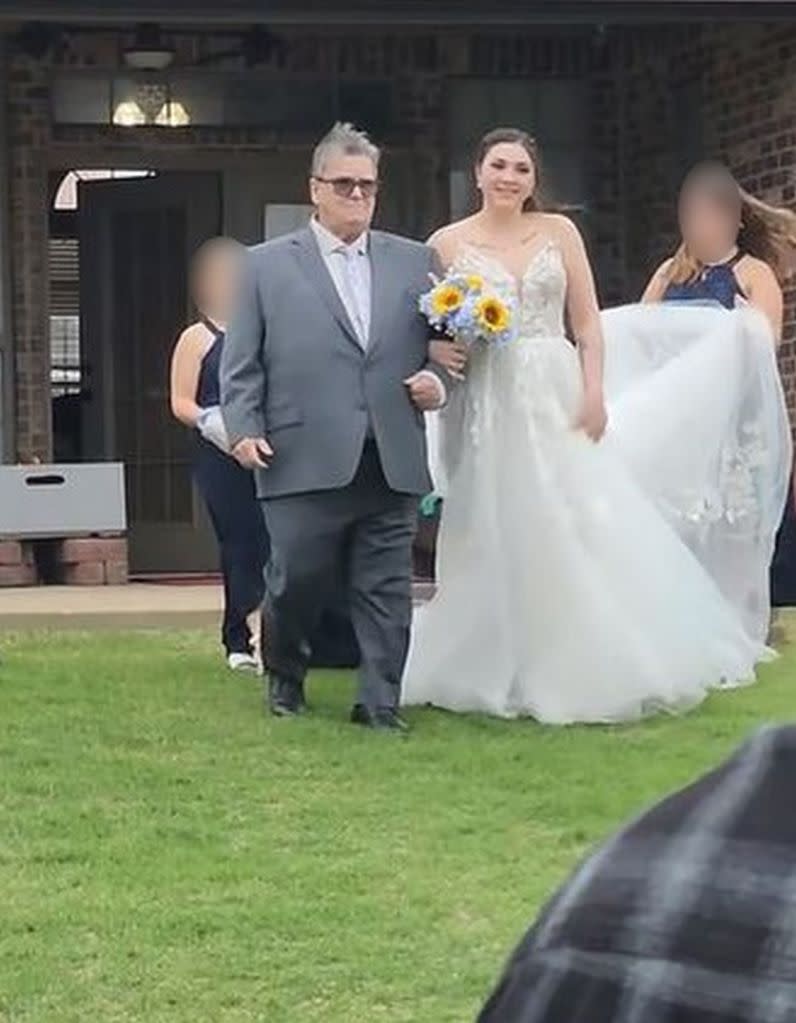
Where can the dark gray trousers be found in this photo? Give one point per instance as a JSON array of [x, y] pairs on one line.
[[359, 537]]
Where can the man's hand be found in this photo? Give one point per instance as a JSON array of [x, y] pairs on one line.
[[451, 355], [426, 391], [253, 452]]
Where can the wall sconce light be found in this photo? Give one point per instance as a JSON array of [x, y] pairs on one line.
[[151, 104], [173, 115], [128, 114]]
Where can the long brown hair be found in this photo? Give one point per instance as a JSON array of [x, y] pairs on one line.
[[766, 232], [516, 137]]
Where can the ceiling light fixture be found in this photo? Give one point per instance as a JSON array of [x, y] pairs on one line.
[[148, 51]]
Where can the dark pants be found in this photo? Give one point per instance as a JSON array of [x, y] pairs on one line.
[[228, 492], [783, 567], [358, 539]]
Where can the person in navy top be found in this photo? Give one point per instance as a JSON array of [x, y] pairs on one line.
[[226, 487], [734, 248]]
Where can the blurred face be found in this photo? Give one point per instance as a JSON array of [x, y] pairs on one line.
[[217, 281], [507, 176], [708, 226], [344, 194]]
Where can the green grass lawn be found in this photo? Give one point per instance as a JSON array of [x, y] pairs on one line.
[[169, 853]]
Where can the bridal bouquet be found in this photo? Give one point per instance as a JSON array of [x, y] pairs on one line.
[[463, 308]]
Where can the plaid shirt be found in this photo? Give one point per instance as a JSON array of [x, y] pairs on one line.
[[688, 915]]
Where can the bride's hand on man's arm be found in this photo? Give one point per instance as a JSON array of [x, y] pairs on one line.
[[450, 355]]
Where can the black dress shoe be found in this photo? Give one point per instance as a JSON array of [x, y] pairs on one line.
[[379, 718], [285, 697]]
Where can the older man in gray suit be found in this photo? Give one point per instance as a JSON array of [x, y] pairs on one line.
[[324, 378]]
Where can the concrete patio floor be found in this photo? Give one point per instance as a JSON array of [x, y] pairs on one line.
[[134, 606]]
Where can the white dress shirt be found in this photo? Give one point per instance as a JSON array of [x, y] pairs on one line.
[[349, 268]]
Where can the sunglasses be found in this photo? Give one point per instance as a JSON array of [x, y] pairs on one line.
[[345, 187]]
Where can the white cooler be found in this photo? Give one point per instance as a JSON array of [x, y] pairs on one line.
[[40, 501]]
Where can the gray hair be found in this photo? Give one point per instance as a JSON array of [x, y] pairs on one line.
[[343, 138]]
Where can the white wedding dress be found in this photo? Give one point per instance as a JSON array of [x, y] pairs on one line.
[[597, 583]]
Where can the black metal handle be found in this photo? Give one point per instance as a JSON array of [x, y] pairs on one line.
[[53, 480]]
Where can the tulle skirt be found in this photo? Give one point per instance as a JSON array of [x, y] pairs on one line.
[[583, 582]]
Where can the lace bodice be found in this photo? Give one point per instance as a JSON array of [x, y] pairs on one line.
[[540, 294]]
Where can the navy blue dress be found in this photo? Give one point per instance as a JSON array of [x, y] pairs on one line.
[[716, 285], [228, 491]]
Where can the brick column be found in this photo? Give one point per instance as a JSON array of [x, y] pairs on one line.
[[93, 561], [7, 430], [17, 565], [28, 136]]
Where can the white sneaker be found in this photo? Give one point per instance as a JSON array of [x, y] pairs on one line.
[[242, 662]]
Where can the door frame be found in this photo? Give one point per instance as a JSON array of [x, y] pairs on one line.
[[102, 420], [187, 542], [229, 169]]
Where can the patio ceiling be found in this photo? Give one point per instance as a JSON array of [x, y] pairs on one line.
[[420, 13]]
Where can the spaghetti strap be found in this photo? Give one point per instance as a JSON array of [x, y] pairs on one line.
[[214, 328], [731, 264], [208, 388]]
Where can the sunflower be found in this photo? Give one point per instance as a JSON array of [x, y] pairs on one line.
[[492, 315], [475, 283], [446, 299]]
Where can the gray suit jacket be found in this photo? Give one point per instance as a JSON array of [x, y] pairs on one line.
[[292, 370]]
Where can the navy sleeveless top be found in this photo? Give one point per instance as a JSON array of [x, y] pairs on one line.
[[716, 284], [208, 388]]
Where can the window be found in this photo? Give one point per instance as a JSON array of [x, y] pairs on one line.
[[64, 266], [64, 317], [300, 103], [553, 110], [282, 218]]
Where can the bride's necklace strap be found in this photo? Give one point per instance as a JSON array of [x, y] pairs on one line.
[[503, 246]]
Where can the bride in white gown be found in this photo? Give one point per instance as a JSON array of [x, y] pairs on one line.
[[566, 590]]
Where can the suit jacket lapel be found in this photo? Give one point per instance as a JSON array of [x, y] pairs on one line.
[[311, 260], [381, 286]]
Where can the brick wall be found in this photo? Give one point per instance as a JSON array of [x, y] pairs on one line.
[[17, 564], [751, 101], [78, 561]]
